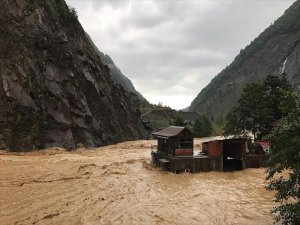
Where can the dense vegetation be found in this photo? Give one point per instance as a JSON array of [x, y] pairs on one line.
[[178, 121], [218, 126], [259, 107], [202, 127], [285, 156], [271, 110], [146, 106], [160, 116]]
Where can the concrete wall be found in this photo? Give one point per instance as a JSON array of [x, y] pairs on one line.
[[202, 164], [192, 164]]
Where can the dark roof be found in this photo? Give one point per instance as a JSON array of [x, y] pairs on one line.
[[169, 131]]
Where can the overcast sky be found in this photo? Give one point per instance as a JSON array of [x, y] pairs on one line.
[[171, 49]]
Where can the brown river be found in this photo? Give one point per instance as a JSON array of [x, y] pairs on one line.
[[117, 185]]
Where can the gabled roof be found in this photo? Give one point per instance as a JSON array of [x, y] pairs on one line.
[[169, 131]]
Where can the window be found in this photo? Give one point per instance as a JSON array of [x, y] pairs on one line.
[[186, 143]]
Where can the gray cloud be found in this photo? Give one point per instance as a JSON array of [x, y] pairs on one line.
[[172, 49]]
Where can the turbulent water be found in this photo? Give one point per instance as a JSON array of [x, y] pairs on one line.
[[117, 185]]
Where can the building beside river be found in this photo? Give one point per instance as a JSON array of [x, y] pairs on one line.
[[175, 152]]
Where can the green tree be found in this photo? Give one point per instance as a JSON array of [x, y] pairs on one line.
[[285, 156], [178, 121], [202, 127], [218, 126], [258, 107]]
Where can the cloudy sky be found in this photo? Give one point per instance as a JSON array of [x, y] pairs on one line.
[[171, 49]]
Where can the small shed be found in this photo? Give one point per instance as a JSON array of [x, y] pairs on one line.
[[175, 141]]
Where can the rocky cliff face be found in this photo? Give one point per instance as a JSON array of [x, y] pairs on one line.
[[275, 50], [54, 89], [116, 74]]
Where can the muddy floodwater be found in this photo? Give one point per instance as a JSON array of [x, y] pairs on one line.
[[117, 185]]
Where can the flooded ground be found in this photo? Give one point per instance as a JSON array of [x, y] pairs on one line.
[[117, 185]]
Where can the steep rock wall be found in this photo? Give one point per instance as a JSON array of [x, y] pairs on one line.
[[54, 89], [116, 74]]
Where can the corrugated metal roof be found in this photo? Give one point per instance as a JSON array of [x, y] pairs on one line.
[[169, 131]]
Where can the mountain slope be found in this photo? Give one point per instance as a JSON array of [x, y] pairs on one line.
[[115, 72], [274, 50], [54, 89]]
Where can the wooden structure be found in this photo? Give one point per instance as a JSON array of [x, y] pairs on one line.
[[175, 153], [175, 141]]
